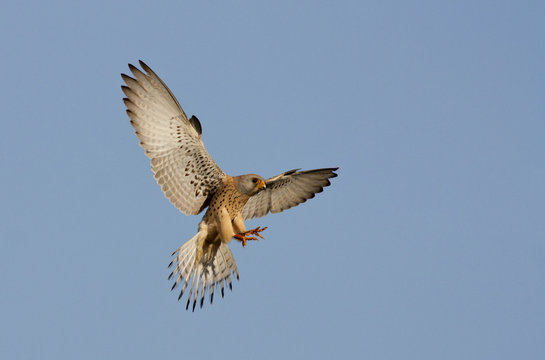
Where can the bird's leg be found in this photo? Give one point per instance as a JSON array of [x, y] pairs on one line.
[[244, 235]]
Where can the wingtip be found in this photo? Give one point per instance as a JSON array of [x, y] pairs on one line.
[[145, 67], [126, 90], [333, 173], [127, 101]]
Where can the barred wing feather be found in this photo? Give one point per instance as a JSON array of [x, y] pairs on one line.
[[287, 190], [181, 165]]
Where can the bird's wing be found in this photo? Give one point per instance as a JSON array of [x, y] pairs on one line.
[[287, 190], [181, 165]]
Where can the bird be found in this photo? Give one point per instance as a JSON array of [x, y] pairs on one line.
[[193, 182]]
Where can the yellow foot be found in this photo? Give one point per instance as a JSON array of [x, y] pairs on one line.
[[244, 236]]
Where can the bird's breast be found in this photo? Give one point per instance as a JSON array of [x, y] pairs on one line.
[[229, 198]]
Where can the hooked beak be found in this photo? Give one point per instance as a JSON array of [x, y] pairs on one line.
[[261, 185]]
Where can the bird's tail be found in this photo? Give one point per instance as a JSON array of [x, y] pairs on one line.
[[202, 265]]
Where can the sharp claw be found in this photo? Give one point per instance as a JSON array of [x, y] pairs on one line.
[[244, 236]]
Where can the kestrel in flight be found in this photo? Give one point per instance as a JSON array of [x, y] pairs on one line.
[[192, 181]]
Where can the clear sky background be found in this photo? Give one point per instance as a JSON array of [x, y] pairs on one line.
[[429, 245]]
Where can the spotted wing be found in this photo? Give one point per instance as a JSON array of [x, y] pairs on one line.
[[287, 190], [181, 165]]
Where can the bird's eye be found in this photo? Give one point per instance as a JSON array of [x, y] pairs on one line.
[[254, 180]]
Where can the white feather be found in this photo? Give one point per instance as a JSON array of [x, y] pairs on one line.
[[203, 265]]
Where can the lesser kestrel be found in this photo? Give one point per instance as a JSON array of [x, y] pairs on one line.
[[192, 181]]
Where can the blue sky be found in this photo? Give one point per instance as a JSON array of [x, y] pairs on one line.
[[429, 244]]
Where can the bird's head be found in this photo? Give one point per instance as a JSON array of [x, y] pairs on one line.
[[250, 184]]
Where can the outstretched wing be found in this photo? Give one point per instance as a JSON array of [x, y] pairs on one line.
[[182, 167], [287, 190]]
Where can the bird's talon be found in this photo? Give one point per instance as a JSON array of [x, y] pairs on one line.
[[244, 236]]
